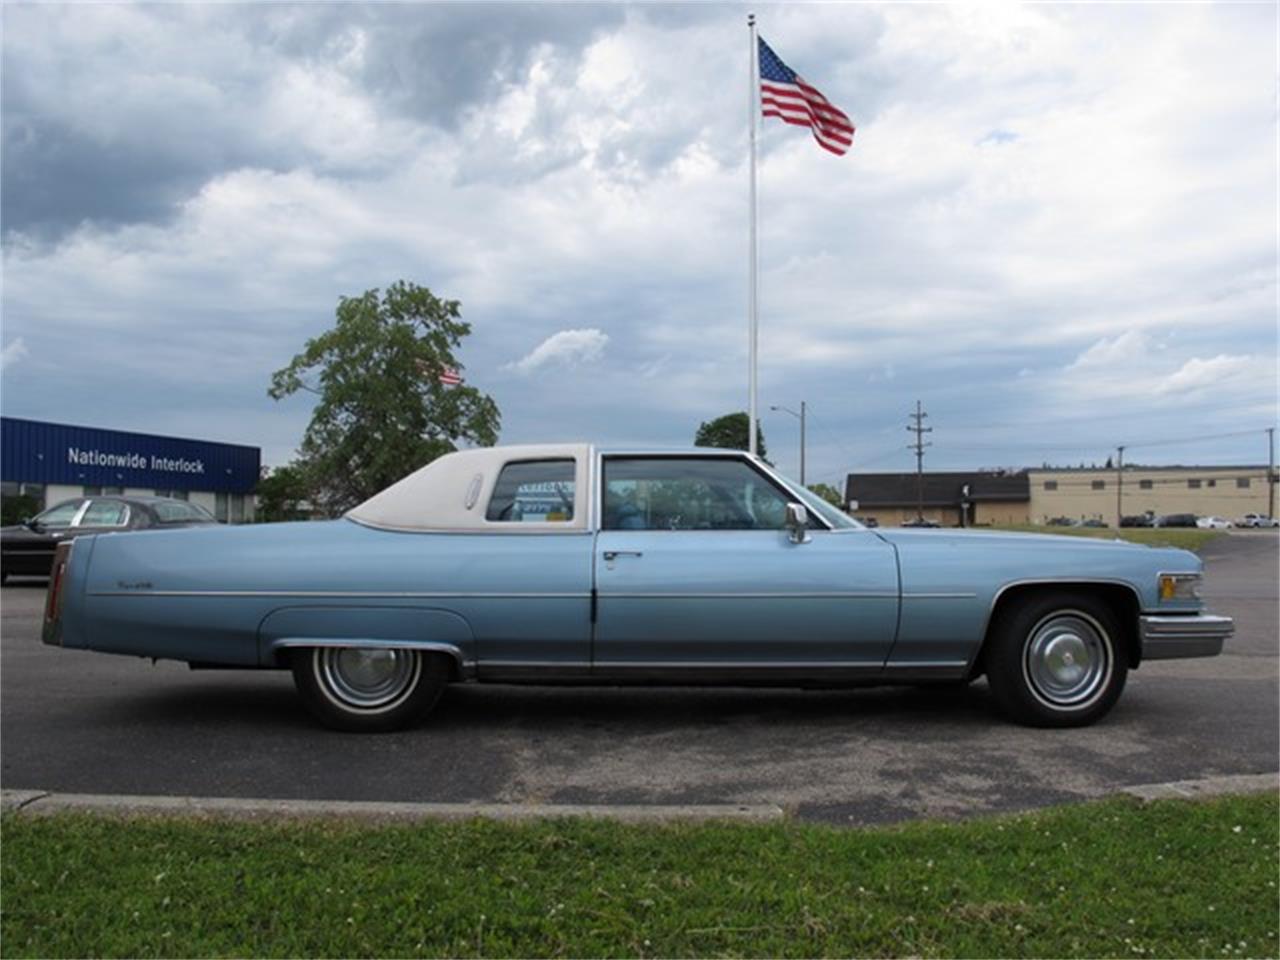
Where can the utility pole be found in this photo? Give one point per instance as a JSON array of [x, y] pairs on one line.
[[919, 430], [801, 417], [1119, 485], [1271, 471]]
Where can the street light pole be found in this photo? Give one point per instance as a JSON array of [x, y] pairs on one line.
[[801, 417], [802, 412]]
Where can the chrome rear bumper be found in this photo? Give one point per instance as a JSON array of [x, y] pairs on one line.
[[1171, 637]]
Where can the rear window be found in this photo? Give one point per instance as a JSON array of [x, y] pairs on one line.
[[176, 511], [533, 491]]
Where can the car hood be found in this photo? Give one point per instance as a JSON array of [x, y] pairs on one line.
[[996, 539], [19, 532]]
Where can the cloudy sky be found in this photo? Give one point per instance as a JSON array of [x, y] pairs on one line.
[[1057, 226]]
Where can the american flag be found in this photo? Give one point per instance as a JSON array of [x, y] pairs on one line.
[[448, 376], [785, 95]]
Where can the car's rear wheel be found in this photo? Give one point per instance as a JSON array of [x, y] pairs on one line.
[[368, 689], [1056, 659]]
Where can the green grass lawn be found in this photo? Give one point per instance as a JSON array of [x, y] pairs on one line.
[[1113, 878], [1188, 538]]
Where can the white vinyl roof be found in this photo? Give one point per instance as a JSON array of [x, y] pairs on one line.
[[452, 492]]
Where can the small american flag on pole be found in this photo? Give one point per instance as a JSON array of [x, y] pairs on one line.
[[785, 95], [448, 376]]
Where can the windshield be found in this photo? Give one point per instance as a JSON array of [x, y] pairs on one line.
[[59, 516]]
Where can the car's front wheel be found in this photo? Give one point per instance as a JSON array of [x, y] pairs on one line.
[[368, 689], [1056, 659]]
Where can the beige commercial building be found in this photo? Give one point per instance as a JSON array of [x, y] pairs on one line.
[[979, 499], [1100, 493], [960, 499]]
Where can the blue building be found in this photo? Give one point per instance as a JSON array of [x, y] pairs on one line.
[[51, 462]]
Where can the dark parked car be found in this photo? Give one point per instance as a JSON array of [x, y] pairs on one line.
[[1177, 520], [1140, 520], [921, 522], [1094, 523], [26, 549]]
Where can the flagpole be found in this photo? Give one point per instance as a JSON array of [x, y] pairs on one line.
[[753, 320]]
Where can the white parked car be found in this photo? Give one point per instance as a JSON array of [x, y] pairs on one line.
[[1214, 523], [1257, 520]]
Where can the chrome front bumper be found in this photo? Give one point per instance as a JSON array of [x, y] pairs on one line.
[[1171, 637]]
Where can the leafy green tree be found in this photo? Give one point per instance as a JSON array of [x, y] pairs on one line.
[[282, 494], [730, 432], [828, 493], [17, 508], [382, 411]]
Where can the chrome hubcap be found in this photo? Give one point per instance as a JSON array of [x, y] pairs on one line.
[[1068, 658], [367, 678]]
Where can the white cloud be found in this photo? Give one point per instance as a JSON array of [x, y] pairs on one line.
[[1092, 260], [1216, 372], [566, 347], [1126, 348], [14, 351]]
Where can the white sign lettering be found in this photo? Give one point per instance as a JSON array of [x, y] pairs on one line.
[[133, 461]]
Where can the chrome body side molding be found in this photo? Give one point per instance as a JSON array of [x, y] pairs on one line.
[[677, 673]]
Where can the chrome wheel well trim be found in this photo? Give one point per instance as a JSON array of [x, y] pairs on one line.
[[465, 666], [1053, 582]]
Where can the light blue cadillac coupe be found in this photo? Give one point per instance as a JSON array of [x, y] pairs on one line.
[[558, 564]]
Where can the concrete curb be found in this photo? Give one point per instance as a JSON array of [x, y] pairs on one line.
[[36, 803], [39, 803], [1209, 787]]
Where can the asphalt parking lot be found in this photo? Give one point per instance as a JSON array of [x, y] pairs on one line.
[[72, 721]]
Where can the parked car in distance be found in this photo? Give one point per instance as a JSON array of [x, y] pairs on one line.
[[870, 522], [1061, 522], [1177, 520], [1254, 520], [922, 522], [1214, 523], [1093, 523], [1138, 520], [569, 564], [27, 549]]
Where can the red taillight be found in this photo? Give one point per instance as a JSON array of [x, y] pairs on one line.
[[53, 606]]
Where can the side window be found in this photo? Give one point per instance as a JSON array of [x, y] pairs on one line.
[[689, 493], [533, 491], [105, 513]]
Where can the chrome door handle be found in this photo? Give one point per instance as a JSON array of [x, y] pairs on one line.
[[615, 554]]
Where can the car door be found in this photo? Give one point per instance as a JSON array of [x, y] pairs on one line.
[[694, 570]]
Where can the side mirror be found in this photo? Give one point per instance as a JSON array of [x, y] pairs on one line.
[[797, 523]]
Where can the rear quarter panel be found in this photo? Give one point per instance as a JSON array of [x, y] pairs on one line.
[[220, 595]]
